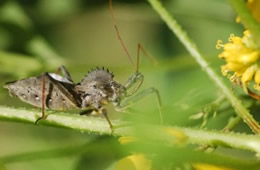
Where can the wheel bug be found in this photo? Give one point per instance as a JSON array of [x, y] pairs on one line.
[[92, 93]]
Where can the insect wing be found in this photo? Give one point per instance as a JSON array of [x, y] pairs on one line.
[[60, 78], [29, 90]]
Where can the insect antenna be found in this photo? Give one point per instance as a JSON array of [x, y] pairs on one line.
[[118, 33], [140, 47]]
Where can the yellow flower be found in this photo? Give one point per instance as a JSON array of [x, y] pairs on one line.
[[242, 61], [134, 162], [204, 166], [254, 7], [179, 136], [127, 139]]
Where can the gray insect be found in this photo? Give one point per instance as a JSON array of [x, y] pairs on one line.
[[91, 94]]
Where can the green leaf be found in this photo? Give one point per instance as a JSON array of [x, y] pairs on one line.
[[12, 12], [18, 65], [2, 166]]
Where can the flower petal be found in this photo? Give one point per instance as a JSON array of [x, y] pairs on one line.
[[134, 162]]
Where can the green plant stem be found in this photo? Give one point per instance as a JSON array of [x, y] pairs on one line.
[[100, 126], [234, 140], [232, 122], [247, 19], [218, 138], [61, 119], [191, 47]]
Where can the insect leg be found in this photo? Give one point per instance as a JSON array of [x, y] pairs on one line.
[[86, 112], [104, 113], [136, 77], [131, 100], [43, 99], [65, 93], [146, 53]]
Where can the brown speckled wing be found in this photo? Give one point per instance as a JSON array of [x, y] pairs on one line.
[[29, 90]]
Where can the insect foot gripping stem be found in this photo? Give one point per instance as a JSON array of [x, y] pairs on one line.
[[41, 118], [104, 112]]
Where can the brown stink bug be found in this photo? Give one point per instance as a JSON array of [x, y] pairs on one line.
[[92, 93]]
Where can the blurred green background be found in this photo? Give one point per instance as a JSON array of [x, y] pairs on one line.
[[40, 35]]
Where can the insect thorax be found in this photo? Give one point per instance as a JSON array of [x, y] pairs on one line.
[[98, 88]]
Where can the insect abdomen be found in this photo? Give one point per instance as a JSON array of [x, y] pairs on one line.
[[30, 91]]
